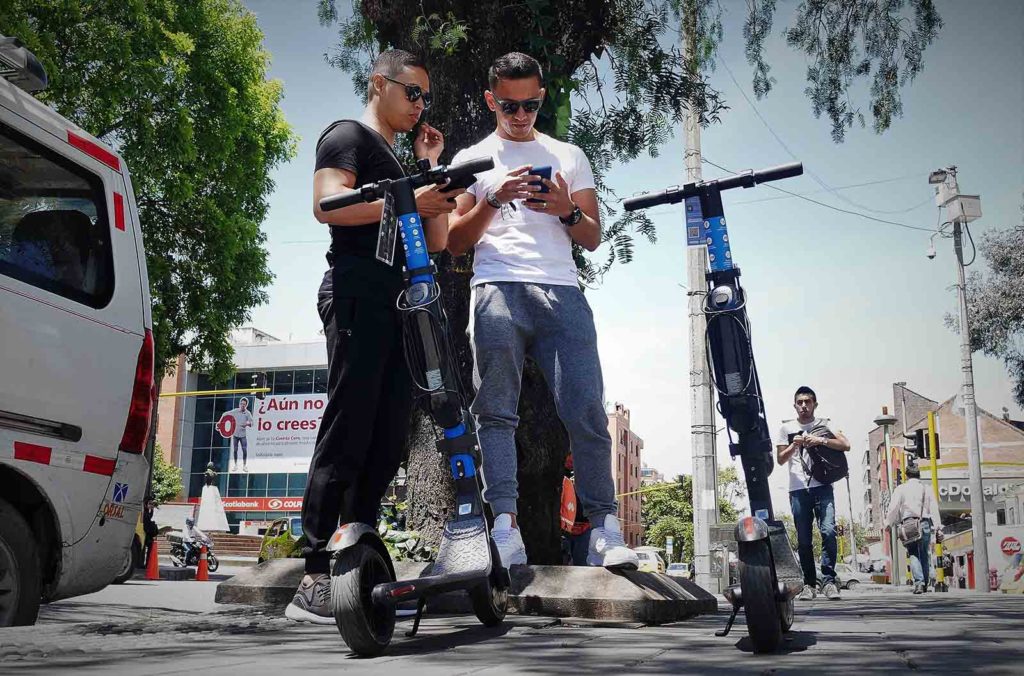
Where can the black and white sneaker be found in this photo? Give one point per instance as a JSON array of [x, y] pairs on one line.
[[312, 601]]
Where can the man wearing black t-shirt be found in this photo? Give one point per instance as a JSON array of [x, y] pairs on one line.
[[369, 398]]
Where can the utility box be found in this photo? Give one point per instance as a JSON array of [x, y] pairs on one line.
[[964, 208]]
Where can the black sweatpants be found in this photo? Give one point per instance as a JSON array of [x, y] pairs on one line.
[[366, 420]]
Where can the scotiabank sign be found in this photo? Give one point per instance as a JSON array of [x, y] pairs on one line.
[[260, 504]]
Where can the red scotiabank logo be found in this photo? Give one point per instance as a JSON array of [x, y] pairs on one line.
[[263, 504], [1010, 545], [226, 425]]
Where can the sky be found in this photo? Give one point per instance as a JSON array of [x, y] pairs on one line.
[[838, 302]]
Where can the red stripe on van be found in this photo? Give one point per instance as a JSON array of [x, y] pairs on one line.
[[32, 452], [119, 211], [95, 150], [104, 466]]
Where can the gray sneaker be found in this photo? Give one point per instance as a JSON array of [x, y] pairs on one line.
[[831, 591], [312, 601], [808, 593]]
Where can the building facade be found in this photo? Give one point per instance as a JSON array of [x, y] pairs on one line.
[[650, 476], [627, 449], [1002, 451]]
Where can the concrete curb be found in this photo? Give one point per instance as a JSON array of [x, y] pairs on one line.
[[555, 591]]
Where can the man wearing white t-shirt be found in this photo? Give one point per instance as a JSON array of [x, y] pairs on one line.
[[808, 498], [526, 301]]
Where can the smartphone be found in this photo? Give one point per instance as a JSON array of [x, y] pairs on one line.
[[543, 172]]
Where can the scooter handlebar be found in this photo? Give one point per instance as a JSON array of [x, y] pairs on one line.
[[777, 173], [347, 198], [669, 196], [477, 166]]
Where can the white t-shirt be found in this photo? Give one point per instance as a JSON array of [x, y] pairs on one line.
[[521, 245], [243, 420], [798, 479]]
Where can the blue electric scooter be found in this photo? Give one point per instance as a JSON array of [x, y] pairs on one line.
[[770, 577], [364, 589]]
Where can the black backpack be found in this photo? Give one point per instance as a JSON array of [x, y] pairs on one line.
[[825, 465]]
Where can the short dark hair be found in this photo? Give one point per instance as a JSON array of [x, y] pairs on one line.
[[390, 64], [514, 66], [803, 389], [913, 471]]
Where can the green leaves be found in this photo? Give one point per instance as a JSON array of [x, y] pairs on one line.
[[180, 90], [995, 302]]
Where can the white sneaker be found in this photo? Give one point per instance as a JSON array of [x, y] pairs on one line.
[[510, 543], [608, 549], [234, 467], [245, 468]]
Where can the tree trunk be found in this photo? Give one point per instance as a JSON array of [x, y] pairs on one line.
[[458, 84]]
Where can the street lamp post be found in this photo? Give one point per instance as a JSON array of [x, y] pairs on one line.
[[884, 421]]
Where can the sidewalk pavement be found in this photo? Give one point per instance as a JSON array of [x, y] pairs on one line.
[[175, 627]]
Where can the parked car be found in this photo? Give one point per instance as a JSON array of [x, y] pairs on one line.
[[76, 396], [680, 570], [650, 560], [281, 539], [849, 577]]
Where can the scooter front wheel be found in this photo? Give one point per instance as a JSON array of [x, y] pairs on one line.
[[760, 605], [490, 598], [787, 613], [365, 627]]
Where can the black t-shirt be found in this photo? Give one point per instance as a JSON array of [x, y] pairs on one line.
[[355, 147]]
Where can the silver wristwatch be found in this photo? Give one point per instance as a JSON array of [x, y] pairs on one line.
[[492, 199]]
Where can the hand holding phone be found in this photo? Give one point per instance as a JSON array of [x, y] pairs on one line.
[[543, 172]]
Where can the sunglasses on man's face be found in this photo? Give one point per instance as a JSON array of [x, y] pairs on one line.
[[414, 92], [510, 107]]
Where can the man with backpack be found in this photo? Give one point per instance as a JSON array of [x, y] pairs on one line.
[[815, 456]]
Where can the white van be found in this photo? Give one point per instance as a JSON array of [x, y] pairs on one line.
[[76, 352]]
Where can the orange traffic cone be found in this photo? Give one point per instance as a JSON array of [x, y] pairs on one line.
[[203, 572], [153, 564]]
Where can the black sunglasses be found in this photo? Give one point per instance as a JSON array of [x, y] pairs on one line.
[[414, 92], [510, 107]]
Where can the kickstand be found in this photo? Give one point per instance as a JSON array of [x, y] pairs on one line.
[[420, 605], [728, 625]]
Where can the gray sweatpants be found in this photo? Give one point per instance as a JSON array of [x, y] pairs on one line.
[[554, 326]]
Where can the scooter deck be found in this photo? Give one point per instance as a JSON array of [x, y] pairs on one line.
[[463, 558]]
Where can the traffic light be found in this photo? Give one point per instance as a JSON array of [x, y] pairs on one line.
[[259, 382], [921, 449]]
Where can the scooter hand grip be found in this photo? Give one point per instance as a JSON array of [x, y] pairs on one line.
[[477, 166], [644, 201], [777, 173], [341, 200]]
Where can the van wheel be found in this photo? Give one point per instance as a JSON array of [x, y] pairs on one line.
[[19, 570]]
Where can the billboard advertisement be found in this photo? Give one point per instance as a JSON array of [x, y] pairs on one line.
[[276, 435]]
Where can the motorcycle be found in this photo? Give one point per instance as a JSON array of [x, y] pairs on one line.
[[179, 558]]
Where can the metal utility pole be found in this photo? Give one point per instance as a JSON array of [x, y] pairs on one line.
[[853, 532], [933, 446], [960, 210], [702, 420]]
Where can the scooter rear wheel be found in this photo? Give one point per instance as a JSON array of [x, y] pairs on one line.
[[365, 627], [759, 603], [490, 598]]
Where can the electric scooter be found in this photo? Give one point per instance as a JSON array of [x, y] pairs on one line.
[[770, 577], [364, 588]]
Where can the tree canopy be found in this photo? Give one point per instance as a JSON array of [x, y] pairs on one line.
[[180, 89]]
